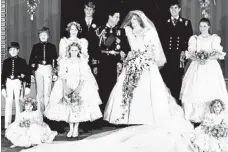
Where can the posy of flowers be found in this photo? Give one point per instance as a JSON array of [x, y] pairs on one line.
[[202, 56], [72, 99], [218, 131], [25, 123], [134, 64]]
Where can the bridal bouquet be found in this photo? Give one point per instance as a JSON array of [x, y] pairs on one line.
[[135, 63], [25, 123]]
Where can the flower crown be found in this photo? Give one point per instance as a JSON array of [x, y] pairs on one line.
[[215, 101], [78, 26], [30, 100]]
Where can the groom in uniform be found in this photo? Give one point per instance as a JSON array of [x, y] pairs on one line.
[[176, 34], [113, 46]]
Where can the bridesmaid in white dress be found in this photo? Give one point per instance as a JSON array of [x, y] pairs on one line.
[[203, 81], [74, 97]]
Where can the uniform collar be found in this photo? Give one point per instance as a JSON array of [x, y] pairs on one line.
[[15, 57], [110, 26], [177, 18], [43, 42]]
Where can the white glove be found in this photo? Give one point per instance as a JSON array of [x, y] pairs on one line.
[[95, 70], [27, 91], [4, 92], [54, 78], [122, 55]]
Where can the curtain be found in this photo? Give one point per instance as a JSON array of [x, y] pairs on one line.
[[25, 31], [219, 20]]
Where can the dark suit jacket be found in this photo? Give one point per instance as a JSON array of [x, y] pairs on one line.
[[37, 54], [16, 67], [90, 34]]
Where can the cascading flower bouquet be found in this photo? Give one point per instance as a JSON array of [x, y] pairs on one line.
[[135, 64]]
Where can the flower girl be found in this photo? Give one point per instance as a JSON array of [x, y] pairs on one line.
[[212, 134], [74, 97], [29, 129]]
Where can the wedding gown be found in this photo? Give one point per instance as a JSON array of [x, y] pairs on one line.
[[169, 135]]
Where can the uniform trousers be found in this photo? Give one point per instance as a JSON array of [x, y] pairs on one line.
[[43, 85], [13, 88]]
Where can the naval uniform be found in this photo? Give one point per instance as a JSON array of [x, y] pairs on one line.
[[112, 40], [42, 60], [175, 40], [15, 72]]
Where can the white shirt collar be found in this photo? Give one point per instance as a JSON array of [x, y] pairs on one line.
[[175, 17]]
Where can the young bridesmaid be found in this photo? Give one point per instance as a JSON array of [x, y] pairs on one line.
[[74, 97], [212, 134], [29, 129]]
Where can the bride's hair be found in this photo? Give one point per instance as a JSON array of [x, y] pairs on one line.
[[128, 20]]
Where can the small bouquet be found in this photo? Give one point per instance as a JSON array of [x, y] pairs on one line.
[[217, 131], [202, 56], [72, 99], [25, 123]]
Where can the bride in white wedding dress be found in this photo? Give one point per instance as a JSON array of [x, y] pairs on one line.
[[169, 133]]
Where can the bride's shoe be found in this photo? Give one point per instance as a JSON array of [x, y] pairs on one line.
[[75, 133], [70, 133]]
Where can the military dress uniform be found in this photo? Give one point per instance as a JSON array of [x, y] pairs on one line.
[[111, 42], [15, 72], [88, 32], [175, 40], [42, 60]]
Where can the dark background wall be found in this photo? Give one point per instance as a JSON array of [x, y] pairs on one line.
[[156, 10]]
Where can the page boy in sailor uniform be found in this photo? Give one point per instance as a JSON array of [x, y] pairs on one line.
[[15, 71]]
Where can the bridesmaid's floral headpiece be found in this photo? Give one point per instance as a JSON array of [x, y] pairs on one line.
[[30, 101], [78, 26]]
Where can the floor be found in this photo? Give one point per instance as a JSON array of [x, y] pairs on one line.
[[5, 143]]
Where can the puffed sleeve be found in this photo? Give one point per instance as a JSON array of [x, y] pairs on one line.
[[62, 68], [191, 46], [216, 46], [216, 43], [84, 49], [62, 47]]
